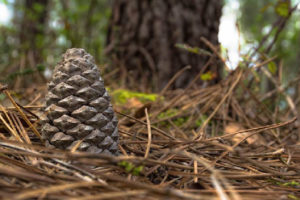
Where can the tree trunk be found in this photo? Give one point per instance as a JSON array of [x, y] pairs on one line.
[[143, 34], [30, 18], [33, 27]]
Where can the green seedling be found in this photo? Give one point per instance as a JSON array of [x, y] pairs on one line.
[[131, 168]]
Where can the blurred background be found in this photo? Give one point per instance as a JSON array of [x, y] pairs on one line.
[[147, 41]]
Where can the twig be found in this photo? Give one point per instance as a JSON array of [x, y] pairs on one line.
[[149, 135]]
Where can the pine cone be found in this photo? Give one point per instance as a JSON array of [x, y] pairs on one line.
[[78, 107]]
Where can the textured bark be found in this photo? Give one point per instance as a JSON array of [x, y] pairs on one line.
[[143, 34]]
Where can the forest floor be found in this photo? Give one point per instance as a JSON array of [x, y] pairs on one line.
[[226, 141]]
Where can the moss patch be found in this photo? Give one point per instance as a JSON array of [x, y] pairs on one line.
[[121, 96]]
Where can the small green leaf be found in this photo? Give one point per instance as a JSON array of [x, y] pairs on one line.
[[292, 183], [206, 76], [127, 165], [130, 168], [137, 170], [122, 163], [272, 67], [282, 8]]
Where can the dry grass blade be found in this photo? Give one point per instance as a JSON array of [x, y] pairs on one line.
[[113, 195], [57, 188], [173, 79], [23, 115], [25, 175], [219, 105], [12, 130], [149, 134]]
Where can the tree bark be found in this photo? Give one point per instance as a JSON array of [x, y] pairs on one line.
[[142, 37]]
